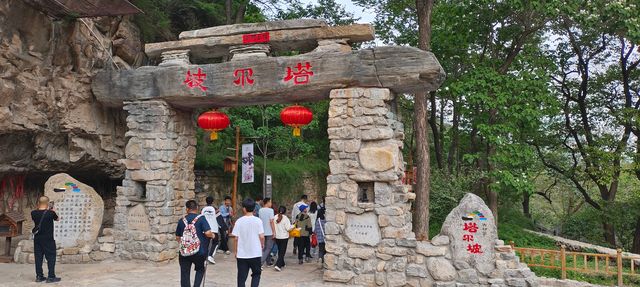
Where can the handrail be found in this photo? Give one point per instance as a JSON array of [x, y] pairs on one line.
[[582, 262]]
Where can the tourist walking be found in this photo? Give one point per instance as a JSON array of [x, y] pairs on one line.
[[227, 213], [249, 242], [320, 223], [282, 228], [193, 233], [304, 244], [266, 216], [294, 214], [209, 213], [313, 215], [44, 245], [258, 206]]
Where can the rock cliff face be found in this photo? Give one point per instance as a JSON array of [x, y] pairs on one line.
[[49, 119]]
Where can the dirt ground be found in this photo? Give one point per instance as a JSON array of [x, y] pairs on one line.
[[143, 273]]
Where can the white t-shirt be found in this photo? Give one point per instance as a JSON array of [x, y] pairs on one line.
[[266, 215], [247, 231], [313, 217], [210, 214]]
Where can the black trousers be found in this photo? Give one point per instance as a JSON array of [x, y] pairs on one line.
[[296, 242], [243, 271], [214, 243], [282, 249], [304, 247], [45, 248], [322, 251], [224, 238], [185, 269]]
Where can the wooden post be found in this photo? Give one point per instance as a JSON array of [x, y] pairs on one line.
[[234, 193], [563, 262], [619, 263]]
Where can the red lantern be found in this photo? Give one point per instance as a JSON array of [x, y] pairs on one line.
[[213, 121], [296, 116]]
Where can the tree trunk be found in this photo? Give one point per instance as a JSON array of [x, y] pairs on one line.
[[455, 136], [228, 6], [492, 195], [433, 122], [526, 197], [240, 13], [422, 189], [636, 238], [609, 233]]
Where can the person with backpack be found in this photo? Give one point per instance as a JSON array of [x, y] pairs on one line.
[[320, 223], [304, 244], [294, 214], [193, 233], [44, 244], [209, 212], [249, 233], [282, 228]]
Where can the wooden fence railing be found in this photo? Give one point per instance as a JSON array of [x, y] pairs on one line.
[[590, 263]]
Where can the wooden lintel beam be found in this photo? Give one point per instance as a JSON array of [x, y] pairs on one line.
[[401, 69], [279, 40]]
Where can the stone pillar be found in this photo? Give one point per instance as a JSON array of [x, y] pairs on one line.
[[368, 230], [160, 154]]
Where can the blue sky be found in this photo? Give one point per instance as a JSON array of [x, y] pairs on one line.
[[365, 15]]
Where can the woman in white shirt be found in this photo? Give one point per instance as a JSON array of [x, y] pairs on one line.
[[283, 226], [313, 214]]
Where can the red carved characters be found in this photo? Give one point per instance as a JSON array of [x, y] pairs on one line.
[[467, 237], [255, 38], [195, 80], [243, 76], [474, 248], [301, 75], [471, 227]]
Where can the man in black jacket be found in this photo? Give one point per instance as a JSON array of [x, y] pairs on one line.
[[44, 244]]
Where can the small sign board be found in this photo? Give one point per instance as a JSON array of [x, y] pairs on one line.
[[255, 38], [268, 186]]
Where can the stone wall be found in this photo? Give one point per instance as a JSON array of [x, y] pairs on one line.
[[159, 159], [369, 238]]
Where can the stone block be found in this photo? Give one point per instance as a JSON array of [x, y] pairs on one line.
[[429, 250], [381, 133], [365, 280], [108, 247], [440, 240], [444, 284], [395, 251], [397, 264], [384, 256], [407, 242], [459, 264], [107, 231], [417, 270], [516, 282], [106, 239], [441, 269], [70, 251], [468, 276], [377, 158], [338, 276], [27, 246], [330, 261], [390, 210], [362, 253], [396, 279]]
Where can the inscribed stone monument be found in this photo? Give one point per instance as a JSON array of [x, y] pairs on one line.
[[137, 218], [80, 209], [472, 232], [363, 229]]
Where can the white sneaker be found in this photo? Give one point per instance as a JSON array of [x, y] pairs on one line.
[[227, 252], [278, 269], [220, 251], [210, 258]]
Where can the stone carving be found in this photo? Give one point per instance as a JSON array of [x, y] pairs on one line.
[[138, 219], [363, 229], [80, 209], [472, 233]]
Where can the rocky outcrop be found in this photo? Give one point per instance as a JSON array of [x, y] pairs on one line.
[[49, 119]]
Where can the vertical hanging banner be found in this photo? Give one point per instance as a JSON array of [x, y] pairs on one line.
[[247, 163]]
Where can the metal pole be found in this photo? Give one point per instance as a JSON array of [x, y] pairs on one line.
[[234, 193]]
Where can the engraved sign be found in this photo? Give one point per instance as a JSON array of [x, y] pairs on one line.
[[363, 229], [79, 208], [137, 218]]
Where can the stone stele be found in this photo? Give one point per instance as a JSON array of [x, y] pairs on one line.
[[138, 219], [363, 229], [472, 232], [80, 209]]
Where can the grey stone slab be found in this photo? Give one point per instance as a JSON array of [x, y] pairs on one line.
[[253, 28], [401, 69], [302, 40]]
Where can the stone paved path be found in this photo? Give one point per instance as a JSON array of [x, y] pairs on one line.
[[142, 273]]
